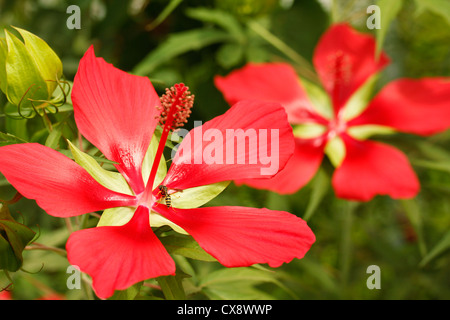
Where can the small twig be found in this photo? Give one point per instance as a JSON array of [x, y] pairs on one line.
[[39, 246]]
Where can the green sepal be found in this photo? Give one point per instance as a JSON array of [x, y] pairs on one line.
[[112, 180], [360, 100], [197, 196], [308, 130], [335, 150], [320, 100], [364, 132]]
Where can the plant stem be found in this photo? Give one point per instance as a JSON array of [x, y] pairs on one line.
[[346, 242], [39, 246], [305, 67]]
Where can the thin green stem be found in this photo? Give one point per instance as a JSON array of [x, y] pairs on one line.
[[304, 66], [346, 247]]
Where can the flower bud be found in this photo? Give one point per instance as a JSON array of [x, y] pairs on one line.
[[29, 72]]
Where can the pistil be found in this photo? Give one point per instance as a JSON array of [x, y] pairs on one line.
[[175, 108]]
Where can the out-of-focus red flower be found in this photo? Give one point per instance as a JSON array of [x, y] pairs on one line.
[[345, 61], [5, 295], [118, 113]]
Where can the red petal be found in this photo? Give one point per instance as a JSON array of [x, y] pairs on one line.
[[239, 236], [59, 185], [372, 168], [118, 257], [298, 171], [276, 82], [344, 59], [418, 106], [116, 112], [271, 139]]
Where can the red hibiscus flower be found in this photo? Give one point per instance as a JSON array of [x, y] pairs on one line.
[[118, 113], [337, 119]]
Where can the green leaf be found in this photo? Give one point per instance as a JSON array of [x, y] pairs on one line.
[[171, 6], [434, 165], [111, 180], [319, 185], [440, 247], [17, 127], [414, 215], [237, 283], [439, 7], [6, 139], [55, 135], [177, 44], [172, 286], [127, 294], [13, 239], [220, 18], [230, 54], [389, 10], [185, 246]]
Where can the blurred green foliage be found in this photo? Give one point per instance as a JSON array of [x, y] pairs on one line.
[[191, 41]]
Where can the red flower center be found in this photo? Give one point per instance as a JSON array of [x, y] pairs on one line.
[[336, 127]]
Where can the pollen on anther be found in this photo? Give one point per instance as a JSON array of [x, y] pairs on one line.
[[176, 104]]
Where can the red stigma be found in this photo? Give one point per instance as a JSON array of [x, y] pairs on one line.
[[176, 106]]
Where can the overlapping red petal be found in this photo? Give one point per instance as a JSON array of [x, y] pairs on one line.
[[418, 106], [240, 236], [197, 161], [116, 112], [344, 60], [372, 168], [117, 257], [299, 170], [276, 82], [59, 185]]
